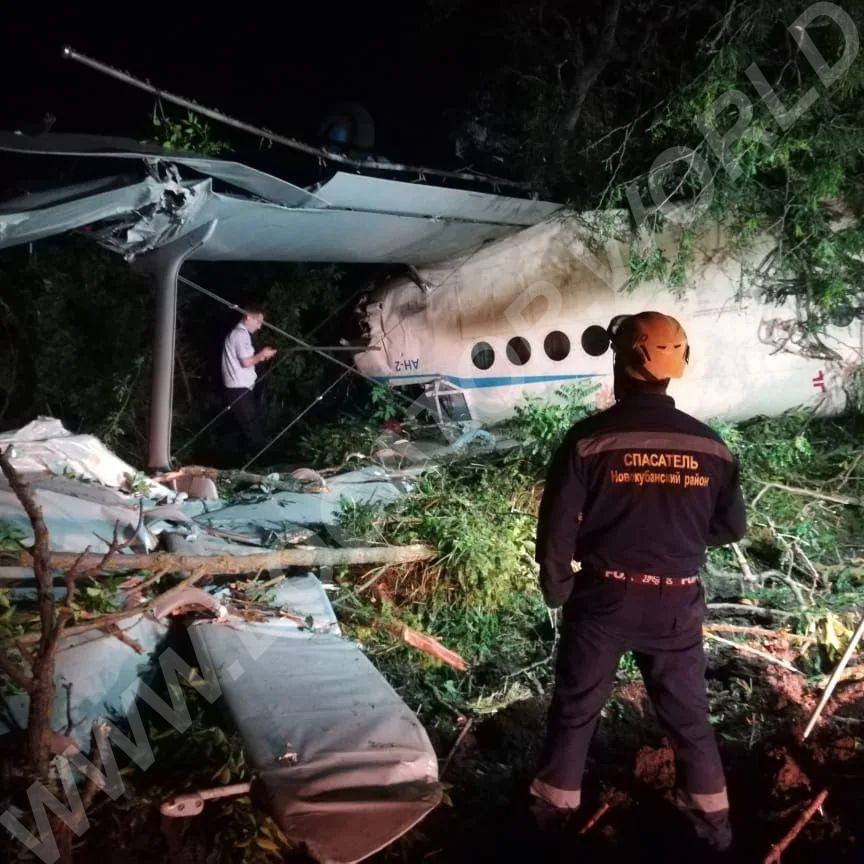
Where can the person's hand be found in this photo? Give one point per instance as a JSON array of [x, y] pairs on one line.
[[268, 352]]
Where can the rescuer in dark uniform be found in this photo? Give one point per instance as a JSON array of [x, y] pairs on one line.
[[635, 494]]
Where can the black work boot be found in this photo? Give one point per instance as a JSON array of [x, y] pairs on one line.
[[551, 829], [713, 829]]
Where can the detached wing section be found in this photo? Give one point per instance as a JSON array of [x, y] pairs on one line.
[[342, 763], [258, 217]]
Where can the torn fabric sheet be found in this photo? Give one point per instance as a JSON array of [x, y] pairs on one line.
[[46, 445]]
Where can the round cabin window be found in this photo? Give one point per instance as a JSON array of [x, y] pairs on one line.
[[595, 340], [518, 351], [556, 345], [482, 355]]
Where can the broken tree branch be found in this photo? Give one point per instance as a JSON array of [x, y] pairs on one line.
[[599, 813], [101, 622], [422, 642], [41, 689], [290, 484], [746, 649], [789, 582], [835, 677], [813, 493], [754, 611], [777, 850], [743, 563], [298, 556], [758, 631], [455, 748], [114, 630]]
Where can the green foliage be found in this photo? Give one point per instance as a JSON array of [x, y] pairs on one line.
[[386, 404], [496, 644], [788, 530], [627, 668], [80, 343], [855, 390], [798, 182], [10, 537], [541, 425], [646, 264], [137, 483], [771, 447], [99, 596], [474, 516], [190, 133], [10, 626], [331, 444], [294, 301], [78, 326], [358, 518]]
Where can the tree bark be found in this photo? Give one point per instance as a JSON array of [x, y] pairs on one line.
[[231, 564], [41, 689], [591, 70]]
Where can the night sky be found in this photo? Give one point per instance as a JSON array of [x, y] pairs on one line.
[[409, 67]]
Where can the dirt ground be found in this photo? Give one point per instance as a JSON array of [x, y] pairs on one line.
[[772, 776]]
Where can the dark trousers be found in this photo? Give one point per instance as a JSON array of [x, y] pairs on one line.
[[663, 627], [247, 436]]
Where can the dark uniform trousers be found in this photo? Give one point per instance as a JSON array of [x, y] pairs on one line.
[[243, 405], [662, 625]]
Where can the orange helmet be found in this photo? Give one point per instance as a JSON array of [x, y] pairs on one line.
[[650, 346]]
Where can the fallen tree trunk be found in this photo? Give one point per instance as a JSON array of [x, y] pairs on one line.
[[41, 687], [298, 556]]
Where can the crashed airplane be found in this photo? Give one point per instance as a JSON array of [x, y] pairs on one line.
[[504, 297], [527, 314]]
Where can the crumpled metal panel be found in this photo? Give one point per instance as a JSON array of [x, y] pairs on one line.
[[27, 226], [150, 215], [181, 210], [104, 673], [251, 180]]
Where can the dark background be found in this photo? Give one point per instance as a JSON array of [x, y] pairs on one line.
[[408, 64]]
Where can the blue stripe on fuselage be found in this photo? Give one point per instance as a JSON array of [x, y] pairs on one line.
[[472, 383]]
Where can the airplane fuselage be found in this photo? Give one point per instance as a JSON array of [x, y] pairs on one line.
[[511, 319]]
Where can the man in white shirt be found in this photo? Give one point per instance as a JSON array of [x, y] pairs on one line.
[[239, 360]]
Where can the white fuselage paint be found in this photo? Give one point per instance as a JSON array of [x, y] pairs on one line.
[[556, 276]]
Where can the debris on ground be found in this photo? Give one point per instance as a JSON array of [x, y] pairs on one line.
[[782, 608]]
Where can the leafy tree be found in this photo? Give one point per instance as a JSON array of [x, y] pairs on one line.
[[726, 109]]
